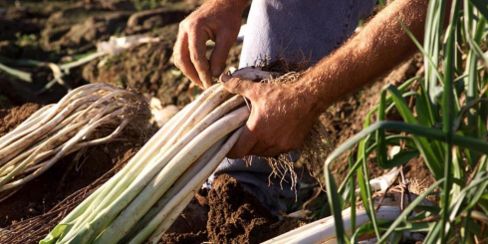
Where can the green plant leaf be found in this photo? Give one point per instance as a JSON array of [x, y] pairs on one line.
[[482, 6]]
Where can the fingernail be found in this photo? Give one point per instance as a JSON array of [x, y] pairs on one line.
[[224, 77]]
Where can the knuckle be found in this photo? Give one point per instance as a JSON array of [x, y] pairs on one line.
[[184, 24], [194, 25], [196, 63], [254, 123], [195, 57], [253, 131], [230, 84], [177, 60]]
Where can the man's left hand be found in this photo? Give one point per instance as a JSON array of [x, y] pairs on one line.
[[281, 117]]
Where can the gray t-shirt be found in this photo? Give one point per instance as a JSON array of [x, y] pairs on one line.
[[299, 30]]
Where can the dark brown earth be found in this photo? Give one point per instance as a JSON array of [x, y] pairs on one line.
[[73, 173], [11, 117], [346, 117], [184, 238], [146, 69], [240, 219], [190, 227], [233, 216], [61, 31], [64, 178]]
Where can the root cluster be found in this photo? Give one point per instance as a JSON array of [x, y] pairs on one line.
[[89, 115]]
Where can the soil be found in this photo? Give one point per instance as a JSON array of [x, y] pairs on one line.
[[190, 226], [346, 118], [12, 117], [184, 238], [71, 174], [230, 219], [46, 191], [59, 32], [146, 69], [236, 219]]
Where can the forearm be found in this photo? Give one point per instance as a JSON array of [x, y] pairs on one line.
[[380, 46]]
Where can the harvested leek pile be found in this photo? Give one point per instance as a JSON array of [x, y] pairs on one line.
[[142, 200], [89, 115]]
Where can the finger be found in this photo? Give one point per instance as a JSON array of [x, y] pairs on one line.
[[244, 88], [181, 58], [243, 145], [223, 44], [263, 147], [260, 149], [270, 151], [196, 41]]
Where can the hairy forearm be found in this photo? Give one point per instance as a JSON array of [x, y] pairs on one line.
[[380, 46]]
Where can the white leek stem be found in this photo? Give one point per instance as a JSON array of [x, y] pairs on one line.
[[129, 186], [323, 230], [147, 224], [166, 217], [170, 173]]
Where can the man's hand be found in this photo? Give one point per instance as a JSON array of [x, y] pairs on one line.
[[217, 20], [282, 114], [281, 117]]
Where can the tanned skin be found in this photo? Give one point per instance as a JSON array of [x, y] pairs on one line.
[[217, 20], [283, 114]]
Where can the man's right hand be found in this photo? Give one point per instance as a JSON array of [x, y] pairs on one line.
[[217, 20]]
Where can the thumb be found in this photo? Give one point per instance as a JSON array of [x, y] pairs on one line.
[[238, 86]]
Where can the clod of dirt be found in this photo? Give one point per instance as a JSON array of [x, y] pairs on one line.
[[190, 226], [150, 19], [192, 220], [146, 69], [184, 238], [84, 35], [119, 5], [4, 102], [10, 118], [20, 28], [17, 19], [77, 27], [418, 175], [236, 216]]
